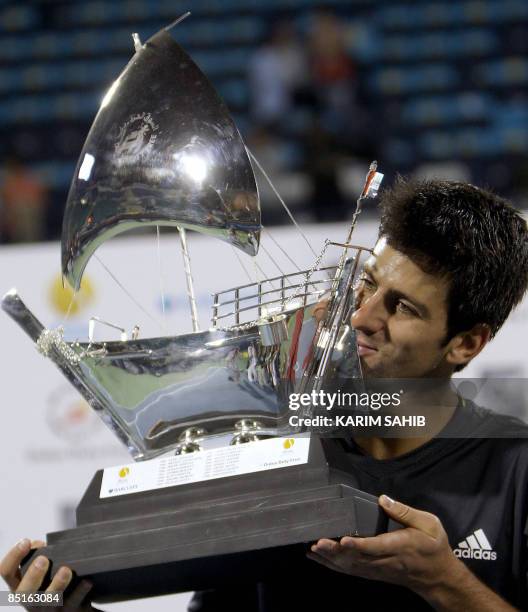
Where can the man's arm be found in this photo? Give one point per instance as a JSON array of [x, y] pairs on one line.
[[418, 557], [465, 591]]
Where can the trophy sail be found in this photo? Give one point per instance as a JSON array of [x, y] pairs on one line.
[[163, 150]]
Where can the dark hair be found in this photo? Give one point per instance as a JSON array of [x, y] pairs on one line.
[[471, 236]]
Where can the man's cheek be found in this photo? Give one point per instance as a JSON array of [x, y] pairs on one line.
[[411, 355], [417, 359]]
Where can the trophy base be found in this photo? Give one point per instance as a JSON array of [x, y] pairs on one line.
[[233, 530]]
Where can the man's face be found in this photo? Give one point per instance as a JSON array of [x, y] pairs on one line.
[[400, 318]]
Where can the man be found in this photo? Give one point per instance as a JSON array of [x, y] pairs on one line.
[[450, 264]]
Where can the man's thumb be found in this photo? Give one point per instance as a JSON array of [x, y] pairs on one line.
[[409, 516]]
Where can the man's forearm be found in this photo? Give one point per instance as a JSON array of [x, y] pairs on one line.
[[462, 590]]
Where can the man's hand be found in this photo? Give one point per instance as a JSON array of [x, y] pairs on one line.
[[414, 557], [34, 577], [418, 557]]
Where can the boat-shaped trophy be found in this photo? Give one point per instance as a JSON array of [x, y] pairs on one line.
[[222, 488]]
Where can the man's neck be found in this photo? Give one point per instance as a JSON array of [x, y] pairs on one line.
[[441, 405]]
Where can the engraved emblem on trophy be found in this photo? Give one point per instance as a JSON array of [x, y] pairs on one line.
[[205, 413]]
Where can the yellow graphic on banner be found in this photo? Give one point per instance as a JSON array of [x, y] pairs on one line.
[[288, 443], [61, 297]]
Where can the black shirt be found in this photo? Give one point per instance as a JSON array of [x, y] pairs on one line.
[[478, 488]]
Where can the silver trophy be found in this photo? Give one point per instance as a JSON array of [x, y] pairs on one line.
[[164, 151]]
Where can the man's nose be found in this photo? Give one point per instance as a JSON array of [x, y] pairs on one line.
[[370, 315]]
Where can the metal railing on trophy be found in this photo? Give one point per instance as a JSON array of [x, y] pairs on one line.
[[242, 307]]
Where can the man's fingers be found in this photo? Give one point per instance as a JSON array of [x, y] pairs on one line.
[[37, 543], [334, 553], [10, 564], [323, 561], [410, 517], [326, 546], [34, 576], [60, 581], [383, 545], [348, 563]]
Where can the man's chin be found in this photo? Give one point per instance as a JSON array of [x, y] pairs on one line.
[[379, 369], [372, 371], [393, 371]]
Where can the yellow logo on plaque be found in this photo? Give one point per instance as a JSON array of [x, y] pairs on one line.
[[124, 472], [288, 443]]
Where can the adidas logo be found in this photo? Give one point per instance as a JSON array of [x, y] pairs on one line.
[[475, 546]]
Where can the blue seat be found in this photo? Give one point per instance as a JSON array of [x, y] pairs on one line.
[[432, 77], [399, 48], [10, 80], [388, 81], [478, 12], [41, 77], [55, 174], [474, 106], [512, 10], [222, 63], [399, 16], [477, 142], [44, 45], [509, 71], [428, 111], [511, 115], [88, 42], [100, 12], [74, 106], [234, 92], [514, 139], [31, 108], [14, 47], [137, 10], [399, 151], [425, 77], [437, 14], [18, 18], [477, 42], [436, 145]]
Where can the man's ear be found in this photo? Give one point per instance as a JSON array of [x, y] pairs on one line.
[[465, 346]]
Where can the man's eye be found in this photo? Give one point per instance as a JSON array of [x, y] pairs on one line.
[[405, 309], [366, 281]]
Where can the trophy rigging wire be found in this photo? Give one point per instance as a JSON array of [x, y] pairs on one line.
[[284, 205], [264, 278], [251, 280], [160, 270], [68, 311], [125, 290], [177, 21], [288, 211], [281, 271], [284, 252], [289, 258]]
